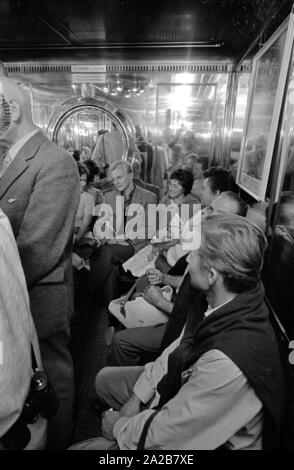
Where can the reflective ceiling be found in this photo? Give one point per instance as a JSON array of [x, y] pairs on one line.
[[30, 26]]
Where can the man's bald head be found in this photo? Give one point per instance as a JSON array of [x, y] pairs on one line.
[[230, 203], [15, 111]]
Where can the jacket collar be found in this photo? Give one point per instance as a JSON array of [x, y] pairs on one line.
[[21, 161]]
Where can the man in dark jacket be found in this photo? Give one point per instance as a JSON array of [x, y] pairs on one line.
[[221, 383]]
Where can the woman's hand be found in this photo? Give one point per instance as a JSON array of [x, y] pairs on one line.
[[153, 296], [154, 276]]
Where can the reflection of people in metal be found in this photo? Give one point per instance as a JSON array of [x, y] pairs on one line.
[[289, 175], [255, 157], [181, 144], [278, 271], [197, 165], [146, 152], [254, 162], [109, 148]]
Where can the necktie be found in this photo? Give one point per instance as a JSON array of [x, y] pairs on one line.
[[6, 162]]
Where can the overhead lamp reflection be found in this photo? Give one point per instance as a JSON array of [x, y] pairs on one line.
[[125, 86]]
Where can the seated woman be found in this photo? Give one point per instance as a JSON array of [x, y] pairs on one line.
[[93, 179], [83, 219], [181, 204], [179, 189]]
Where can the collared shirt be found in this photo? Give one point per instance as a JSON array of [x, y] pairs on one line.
[[17, 333], [128, 195], [15, 148], [210, 310]]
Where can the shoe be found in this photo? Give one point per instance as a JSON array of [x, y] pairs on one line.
[[108, 335]]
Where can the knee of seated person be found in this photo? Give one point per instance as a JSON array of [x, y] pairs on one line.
[[101, 380], [119, 338], [117, 342]]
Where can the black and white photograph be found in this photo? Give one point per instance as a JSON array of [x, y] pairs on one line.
[[146, 230]]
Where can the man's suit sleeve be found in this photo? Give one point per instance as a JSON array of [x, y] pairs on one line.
[[47, 226], [147, 199], [150, 228]]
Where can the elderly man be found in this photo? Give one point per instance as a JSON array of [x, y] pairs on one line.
[[39, 193], [217, 386], [115, 227]]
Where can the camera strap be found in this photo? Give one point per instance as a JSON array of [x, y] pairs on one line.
[[19, 435], [34, 360]]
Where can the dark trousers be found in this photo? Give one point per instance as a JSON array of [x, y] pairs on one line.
[[104, 262], [136, 346], [58, 366]]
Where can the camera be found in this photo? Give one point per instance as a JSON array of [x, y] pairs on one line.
[[41, 400]]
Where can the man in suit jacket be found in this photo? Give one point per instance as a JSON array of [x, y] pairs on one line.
[[39, 193], [121, 231]]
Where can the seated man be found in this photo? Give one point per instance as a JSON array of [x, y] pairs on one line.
[[216, 180], [17, 333], [227, 201], [115, 226], [219, 385], [142, 184], [129, 347], [197, 165]]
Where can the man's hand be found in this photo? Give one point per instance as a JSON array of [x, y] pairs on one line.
[[153, 296], [109, 419], [132, 407], [114, 241], [154, 276]]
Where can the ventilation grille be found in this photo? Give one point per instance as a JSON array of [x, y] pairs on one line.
[[168, 35], [172, 36], [206, 67], [245, 67], [169, 68], [31, 68]]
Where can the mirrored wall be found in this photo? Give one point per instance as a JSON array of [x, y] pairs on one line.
[[179, 112]]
